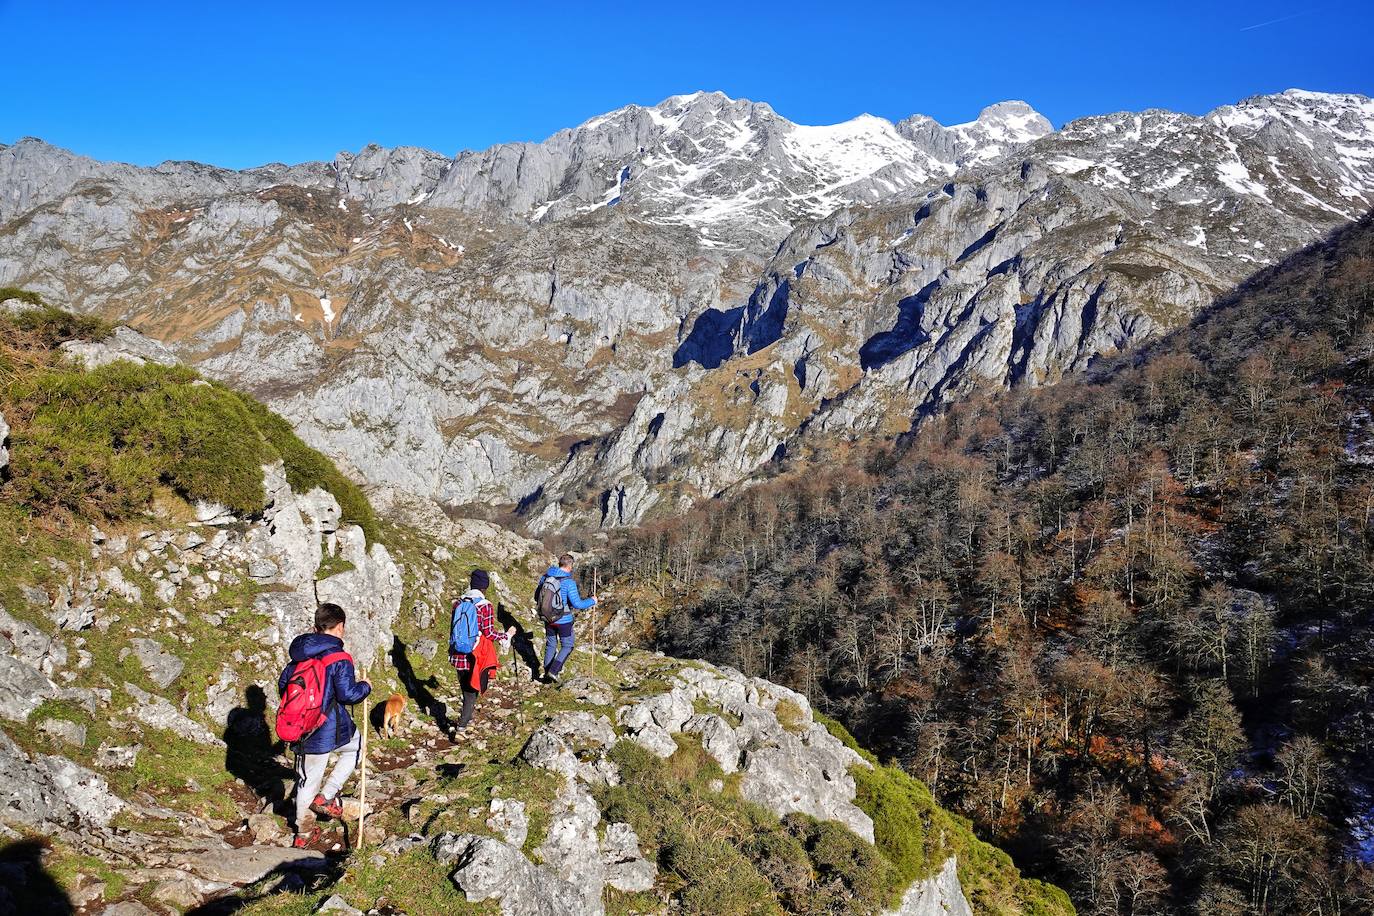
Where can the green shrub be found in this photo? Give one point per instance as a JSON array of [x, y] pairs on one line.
[[98, 442], [783, 859], [851, 874], [901, 808], [727, 855], [307, 469], [23, 295], [52, 326]]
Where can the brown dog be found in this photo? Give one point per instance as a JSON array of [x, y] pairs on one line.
[[395, 705]]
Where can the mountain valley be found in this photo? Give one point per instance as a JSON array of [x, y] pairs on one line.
[[647, 309]]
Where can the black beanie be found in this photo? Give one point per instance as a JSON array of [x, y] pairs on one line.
[[481, 580]]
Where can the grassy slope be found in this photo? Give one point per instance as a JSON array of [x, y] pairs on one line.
[[917, 836]]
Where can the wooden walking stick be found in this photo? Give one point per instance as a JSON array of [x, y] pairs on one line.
[[596, 589], [362, 790]]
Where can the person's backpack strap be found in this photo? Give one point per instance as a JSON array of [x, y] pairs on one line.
[[328, 659]]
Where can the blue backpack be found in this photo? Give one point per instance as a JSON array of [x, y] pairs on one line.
[[462, 637]]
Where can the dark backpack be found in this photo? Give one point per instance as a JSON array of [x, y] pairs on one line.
[[462, 637], [302, 706], [549, 598]]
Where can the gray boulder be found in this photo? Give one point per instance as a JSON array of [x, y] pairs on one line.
[[656, 741], [718, 739], [64, 730], [370, 593], [791, 775], [72, 610], [509, 819], [321, 508], [724, 687], [29, 644], [117, 756], [43, 789], [488, 869], [546, 750], [625, 866], [127, 908], [669, 711], [224, 864], [184, 890], [938, 895], [336, 904], [4, 437], [582, 729], [162, 666], [124, 344], [23, 688], [116, 583], [156, 712], [589, 690], [570, 845]]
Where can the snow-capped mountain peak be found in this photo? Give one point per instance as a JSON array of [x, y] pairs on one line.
[[734, 170], [737, 170]]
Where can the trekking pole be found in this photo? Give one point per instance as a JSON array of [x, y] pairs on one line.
[[362, 790]]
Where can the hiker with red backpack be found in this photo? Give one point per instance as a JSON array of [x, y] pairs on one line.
[[557, 599], [472, 644], [315, 688]]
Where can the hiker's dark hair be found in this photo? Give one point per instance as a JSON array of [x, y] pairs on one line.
[[328, 616], [565, 559]]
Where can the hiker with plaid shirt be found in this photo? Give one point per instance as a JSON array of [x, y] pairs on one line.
[[465, 662]]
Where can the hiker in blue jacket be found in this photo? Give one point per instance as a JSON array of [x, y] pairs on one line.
[[338, 733], [558, 636]]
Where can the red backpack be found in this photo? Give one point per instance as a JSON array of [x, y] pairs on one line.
[[302, 706]]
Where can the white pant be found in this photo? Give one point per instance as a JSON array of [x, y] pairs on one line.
[[310, 771]]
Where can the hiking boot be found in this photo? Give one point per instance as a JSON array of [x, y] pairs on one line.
[[329, 807], [305, 840]]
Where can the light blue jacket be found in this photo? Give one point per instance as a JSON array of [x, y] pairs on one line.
[[572, 598]]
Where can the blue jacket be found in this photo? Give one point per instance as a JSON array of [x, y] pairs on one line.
[[341, 691], [572, 599]]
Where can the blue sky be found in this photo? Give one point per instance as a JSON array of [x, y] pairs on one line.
[[246, 83]]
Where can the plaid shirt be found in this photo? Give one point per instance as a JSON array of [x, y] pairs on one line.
[[486, 625]]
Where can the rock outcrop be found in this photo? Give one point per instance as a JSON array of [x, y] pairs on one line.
[[283, 553], [939, 895], [50, 791], [790, 764]]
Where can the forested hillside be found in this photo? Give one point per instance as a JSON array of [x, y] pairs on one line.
[[1123, 623]]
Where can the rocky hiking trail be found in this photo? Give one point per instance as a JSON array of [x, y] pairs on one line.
[[519, 816]]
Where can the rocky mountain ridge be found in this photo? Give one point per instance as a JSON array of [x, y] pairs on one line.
[[733, 170], [531, 329]]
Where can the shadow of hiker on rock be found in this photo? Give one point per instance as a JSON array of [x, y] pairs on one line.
[[251, 750], [290, 878], [522, 642], [421, 692], [25, 885]]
